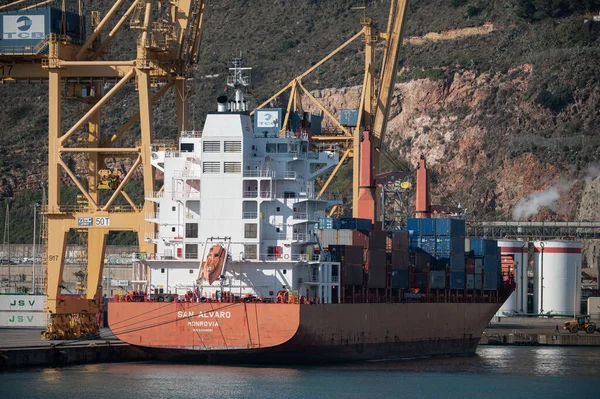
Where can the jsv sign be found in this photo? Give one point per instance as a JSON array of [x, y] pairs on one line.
[[22, 27]]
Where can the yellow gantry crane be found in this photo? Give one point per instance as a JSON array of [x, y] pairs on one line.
[[78, 67], [375, 98]]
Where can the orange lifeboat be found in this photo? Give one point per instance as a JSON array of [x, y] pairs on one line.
[[213, 265]]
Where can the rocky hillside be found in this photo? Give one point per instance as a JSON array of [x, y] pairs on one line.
[[501, 96]]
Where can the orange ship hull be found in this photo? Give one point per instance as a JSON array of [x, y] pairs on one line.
[[292, 333]]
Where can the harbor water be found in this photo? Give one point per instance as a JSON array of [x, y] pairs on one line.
[[494, 372]]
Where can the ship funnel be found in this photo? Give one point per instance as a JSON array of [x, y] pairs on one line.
[[222, 104]]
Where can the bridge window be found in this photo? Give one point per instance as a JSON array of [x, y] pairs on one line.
[[250, 230], [191, 230], [250, 251]]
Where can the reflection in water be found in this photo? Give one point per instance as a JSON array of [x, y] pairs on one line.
[[495, 372]]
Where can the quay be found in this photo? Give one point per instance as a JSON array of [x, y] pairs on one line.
[[23, 348], [535, 331]]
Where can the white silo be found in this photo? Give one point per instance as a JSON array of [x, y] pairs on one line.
[[517, 301], [557, 282]]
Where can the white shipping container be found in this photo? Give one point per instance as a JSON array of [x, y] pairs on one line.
[[478, 266], [470, 281], [23, 319], [22, 303], [335, 237]]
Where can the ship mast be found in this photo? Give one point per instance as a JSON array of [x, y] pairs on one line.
[[238, 80]]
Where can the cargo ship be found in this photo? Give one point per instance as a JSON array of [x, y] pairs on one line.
[[249, 268]]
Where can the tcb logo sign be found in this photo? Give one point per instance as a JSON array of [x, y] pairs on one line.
[[25, 23], [23, 27]]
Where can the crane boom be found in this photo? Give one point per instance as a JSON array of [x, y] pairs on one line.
[[389, 67]]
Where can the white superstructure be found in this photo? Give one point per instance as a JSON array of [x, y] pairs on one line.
[[254, 194]]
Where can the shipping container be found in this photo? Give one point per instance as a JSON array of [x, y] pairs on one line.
[[457, 262], [491, 264], [399, 240], [377, 239], [422, 261], [349, 117], [450, 245], [413, 227], [450, 227], [329, 224], [399, 260], [457, 280], [484, 247], [23, 319], [467, 245], [470, 281], [437, 280], [399, 279], [420, 281], [349, 254], [356, 224], [23, 303], [427, 227], [470, 265], [353, 274], [377, 277], [478, 281], [491, 281], [478, 265], [376, 259]]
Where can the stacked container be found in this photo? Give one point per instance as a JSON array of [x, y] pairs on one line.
[[376, 259], [397, 246], [487, 263], [440, 244]]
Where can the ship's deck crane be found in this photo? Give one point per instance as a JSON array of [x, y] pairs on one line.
[[365, 142], [168, 44]]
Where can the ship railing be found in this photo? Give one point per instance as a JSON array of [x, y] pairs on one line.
[[289, 174], [259, 173], [155, 194], [250, 194], [164, 145], [191, 134], [282, 236], [265, 194], [335, 279], [187, 194], [249, 215], [300, 237], [152, 215], [283, 258], [188, 173], [176, 154], [151, 236], [312, 217], [192, 216]]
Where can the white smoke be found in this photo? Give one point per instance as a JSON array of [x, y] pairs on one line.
[[531, 204]]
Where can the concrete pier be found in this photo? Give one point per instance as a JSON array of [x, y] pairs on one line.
[[23, 348], [535, 331]]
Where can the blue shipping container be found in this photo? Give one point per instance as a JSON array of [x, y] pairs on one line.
[[451, 245], [349, 117], [470, 281], [399, 279], [437, 280], [329, 224], [457, 262], [356, 224], [491, 281], [427, 227], [457, 280], [491, 264], [412, 225], [484, 247], [450, 227], [478, 265]]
